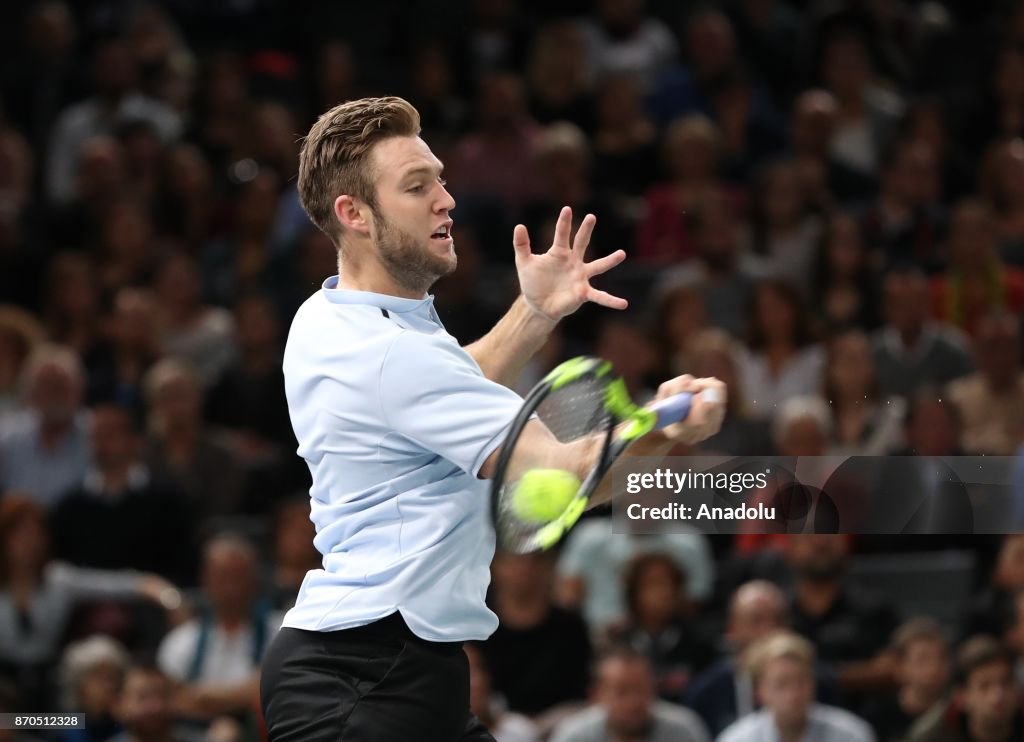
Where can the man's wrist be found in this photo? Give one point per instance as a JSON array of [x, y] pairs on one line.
[[537, 317]]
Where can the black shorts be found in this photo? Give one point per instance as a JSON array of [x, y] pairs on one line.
[[374, 683]]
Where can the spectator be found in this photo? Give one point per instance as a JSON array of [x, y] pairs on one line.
[[443, 114], [38, 596], [994, 604], [557, 76], [187, 206], [72, 304], [783, 361], [976, 282], [782, 668], [44, 449], [540, 652], [802, 426], [199, 334], [489, 708], [910, 350], [594, 559], [725, 692], [626, 707], [20, 333], [215, 657], [623, 39], [1002, 187], [826, 608], [923, 673], [985, 705], [679, 319], [145, 709], [625, 142], [181, 451], [92, 672], [121, 516], [932, 428], [990, 402], [717, 355], [846, 291], [657, 624], [116, 99], [294, 553], [863, 422]]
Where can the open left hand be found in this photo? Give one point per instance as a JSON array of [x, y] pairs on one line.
[[557, 283]]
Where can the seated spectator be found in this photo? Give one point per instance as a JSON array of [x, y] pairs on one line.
[[802, 426], [215, 658], [717, 355], [624, 38], [627, 347], [44, 450], [657, 624], [990, 402], [976, 282], [931, 427], [679, 318], [864, 422], [181, 451], [725, 692], [38, 596], [923, 672], [20, 333], [540, 652], [92, 671], [187, 328], [626, 707], [1002, 187], [489, 708], [849, 629], [782, 240], [845, 285], [594, 558], [783, 360], [625, 142], [782, 667], [910, 349], [145, 709], [994, 604], [985, 704], [122, 516]]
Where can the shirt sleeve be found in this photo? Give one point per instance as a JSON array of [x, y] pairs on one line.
[[432, 392]]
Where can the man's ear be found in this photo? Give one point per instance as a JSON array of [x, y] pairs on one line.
[[352, 214]]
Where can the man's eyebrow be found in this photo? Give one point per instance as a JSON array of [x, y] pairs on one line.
[[423, 170]]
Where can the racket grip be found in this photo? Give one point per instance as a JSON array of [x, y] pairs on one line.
[[672, 410]]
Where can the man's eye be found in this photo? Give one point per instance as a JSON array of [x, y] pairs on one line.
[[416, 189]]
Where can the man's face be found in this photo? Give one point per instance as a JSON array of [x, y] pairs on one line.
[[626, 691], [925, 665], [817, 556], [906, 301], [755, 617], [411, 225], [988, 697], [786, 687], [145, 703]]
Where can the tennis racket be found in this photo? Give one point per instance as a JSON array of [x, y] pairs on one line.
[[581, 398]]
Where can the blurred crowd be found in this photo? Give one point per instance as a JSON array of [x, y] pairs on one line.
[[822, 202]]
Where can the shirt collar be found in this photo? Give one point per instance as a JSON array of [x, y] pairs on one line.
[[95, 484], [396, 304]]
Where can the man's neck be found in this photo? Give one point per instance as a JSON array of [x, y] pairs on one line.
[[52, 433], [791, 731], [371, 276]]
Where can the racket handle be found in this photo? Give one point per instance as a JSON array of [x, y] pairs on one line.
[[672, 410]]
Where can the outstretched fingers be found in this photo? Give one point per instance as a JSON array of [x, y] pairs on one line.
[[605, 264]]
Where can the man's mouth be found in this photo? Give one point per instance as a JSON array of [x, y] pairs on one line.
[[443, 232]]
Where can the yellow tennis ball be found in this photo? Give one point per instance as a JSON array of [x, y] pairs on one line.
[[543, 494]]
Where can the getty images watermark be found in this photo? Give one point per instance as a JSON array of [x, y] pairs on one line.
[[676, 482], [827, 494]]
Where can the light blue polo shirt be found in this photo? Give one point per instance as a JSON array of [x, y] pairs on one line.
[[395, 420]]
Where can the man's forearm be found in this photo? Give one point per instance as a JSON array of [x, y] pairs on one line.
[[503, 352]]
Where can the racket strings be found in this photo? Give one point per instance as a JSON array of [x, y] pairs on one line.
[[570, 412]]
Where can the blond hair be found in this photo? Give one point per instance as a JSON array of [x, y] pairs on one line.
[[777, 646], [334, 156]]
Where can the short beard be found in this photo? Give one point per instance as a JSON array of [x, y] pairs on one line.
[[409, 264]]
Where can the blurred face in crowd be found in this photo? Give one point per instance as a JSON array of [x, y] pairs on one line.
[[115, 445], [845, 247], [230, 579], [27, 543], [628, 350], [127, 232], [55, 393], [783, 196], [851, 367], [786, 689], [814, 120], [99, 688], [997, 349], [913, 179], [618, 102], [177, 402], [932, 429], [756, 612], [502, 102], [712, 45], [114, 70], [925, 665], [1009, 572], [188, 172], [817, 556], [145, 703], [802, 436], [989, 698], [685, 315], [659, 591], [906, 301], [50, 29], [691, 152], [102, 169], [973, 236], [625, 689], [257, 205], [847, 68], [775, 314], [177, 284], [716, 239], [522, 574], [134, 321], [256, 325]]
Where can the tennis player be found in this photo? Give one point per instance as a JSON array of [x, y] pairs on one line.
[[400, 427]]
